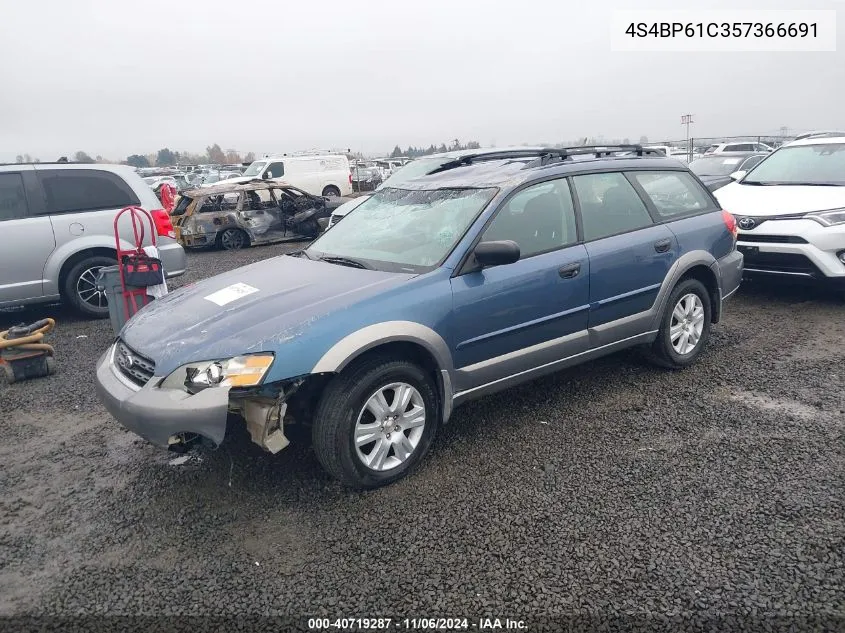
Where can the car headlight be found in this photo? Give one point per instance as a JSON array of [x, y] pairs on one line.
[[240, 371], [830, 217]]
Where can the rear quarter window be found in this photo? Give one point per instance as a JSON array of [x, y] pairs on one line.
[[673, 193], [75, 190]]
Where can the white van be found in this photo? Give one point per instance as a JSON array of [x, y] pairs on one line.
[[327, 175]]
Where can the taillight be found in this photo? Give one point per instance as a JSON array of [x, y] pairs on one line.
[[350, 178], [730, 222], [164, 226]]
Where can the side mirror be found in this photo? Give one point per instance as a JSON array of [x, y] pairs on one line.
[[497, 253], [267, 175], [738, 175]]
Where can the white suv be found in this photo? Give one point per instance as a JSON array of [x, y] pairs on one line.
[[727, 148], [791, 210]]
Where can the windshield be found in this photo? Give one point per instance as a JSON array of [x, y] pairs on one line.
[[721, 166], [822, 164], [403, 231], [255, 168], [419, 167]]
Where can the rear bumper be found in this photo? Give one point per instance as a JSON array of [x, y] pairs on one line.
[[156, 414], [173, 257], [729, 270]]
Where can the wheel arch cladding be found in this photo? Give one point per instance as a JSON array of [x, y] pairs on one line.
[[706, 276], [353, 345], [686, 262], [403, 339]]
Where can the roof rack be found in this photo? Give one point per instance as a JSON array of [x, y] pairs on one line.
[[546, 154]]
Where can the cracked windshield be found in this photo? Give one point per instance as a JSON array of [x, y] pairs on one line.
[[404, 230]]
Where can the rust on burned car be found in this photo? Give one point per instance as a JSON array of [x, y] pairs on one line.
[[237, 215]]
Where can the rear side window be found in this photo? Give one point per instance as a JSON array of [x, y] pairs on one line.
[[85, 190], [609, 205], [674, 193], [12, 197]]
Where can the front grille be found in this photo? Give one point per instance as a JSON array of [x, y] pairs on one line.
[[335, 219], [137, 368], [772, 239], [779, 263]]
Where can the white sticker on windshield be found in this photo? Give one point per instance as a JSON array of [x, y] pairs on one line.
[[231, 293], [731, 161]]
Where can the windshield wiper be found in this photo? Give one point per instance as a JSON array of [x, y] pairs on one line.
[[343, 261]]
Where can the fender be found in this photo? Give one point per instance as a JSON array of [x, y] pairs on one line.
[[356, 343], [678, 269]]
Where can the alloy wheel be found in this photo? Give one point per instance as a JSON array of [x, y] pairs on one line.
[[687, 324], [390, 426], [86, 288]]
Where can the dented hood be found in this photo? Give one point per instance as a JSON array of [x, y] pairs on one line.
[[250, 309]]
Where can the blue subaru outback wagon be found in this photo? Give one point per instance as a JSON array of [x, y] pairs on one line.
[[494, 270]]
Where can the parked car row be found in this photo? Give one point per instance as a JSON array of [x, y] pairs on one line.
[[373, 333]]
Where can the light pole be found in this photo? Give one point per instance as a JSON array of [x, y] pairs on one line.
[[686, 119]]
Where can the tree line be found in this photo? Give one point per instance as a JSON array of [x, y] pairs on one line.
[[165, 157], [214, 155], [414, 152]]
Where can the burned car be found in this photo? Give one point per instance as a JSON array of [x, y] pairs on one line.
[[236, 215]]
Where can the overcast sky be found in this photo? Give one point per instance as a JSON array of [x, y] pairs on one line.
[[115, 78]]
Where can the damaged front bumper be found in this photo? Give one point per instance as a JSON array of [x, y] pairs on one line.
[[158, 414]]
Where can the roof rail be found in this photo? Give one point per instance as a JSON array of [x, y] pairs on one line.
[[820, 134], [546, 154]]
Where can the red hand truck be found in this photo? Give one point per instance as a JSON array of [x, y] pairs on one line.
[[136, 215]]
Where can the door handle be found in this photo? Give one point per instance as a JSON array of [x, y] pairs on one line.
[[662, 246], [570, 270]]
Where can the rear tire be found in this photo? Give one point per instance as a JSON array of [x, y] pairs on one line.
[[79, 288], [233, 240], [389, 445], [331, 192], [684, 328]]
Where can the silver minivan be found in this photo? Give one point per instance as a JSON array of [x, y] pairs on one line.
[[57, 231]]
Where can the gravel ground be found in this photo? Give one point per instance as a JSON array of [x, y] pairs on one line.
[[613, 492]]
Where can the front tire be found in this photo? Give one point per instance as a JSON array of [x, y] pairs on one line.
[[685, 327], [80, 287], [375, 422]]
